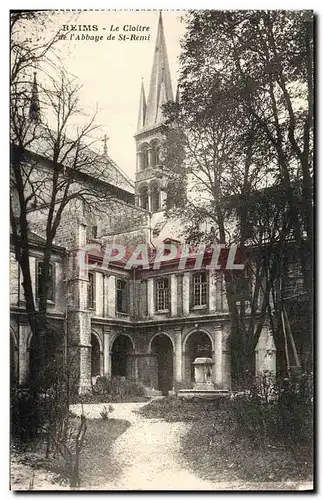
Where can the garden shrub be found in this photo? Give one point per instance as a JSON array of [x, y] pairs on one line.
[[118, 388], [26, 415], [276, 410]]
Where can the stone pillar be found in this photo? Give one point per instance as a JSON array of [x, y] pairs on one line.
[[137, 200], [186, 294], [224, 295], [79, 353], [150, 157], [139, 160], [106, 353], [217, 357], [149, 198], [187, 369], [219, 291], [78, 316], [212, 292], [173, 292], [105, 295], [111, 296], [226, 369], [136, 368], [265, 353], [150, 296], [178, 355]]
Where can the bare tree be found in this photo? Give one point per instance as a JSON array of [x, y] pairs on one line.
[[50, 172]]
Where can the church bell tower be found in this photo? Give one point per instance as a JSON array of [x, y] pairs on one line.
[[148, 185]]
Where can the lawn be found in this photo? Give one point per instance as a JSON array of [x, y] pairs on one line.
[[96, 465], [216, 451], [30, 465]]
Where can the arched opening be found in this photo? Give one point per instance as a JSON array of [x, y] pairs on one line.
[[154, 153], [155, 197], [162, 347], [198, 345], [144, 157], [143, 198], [95, 356], [121, 357]]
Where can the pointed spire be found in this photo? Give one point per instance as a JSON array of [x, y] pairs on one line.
[[34, 110], [161, 101], [160, 77], [142, 108]]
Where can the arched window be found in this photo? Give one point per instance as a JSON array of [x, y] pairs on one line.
[[155, 197], [144, 156], [143, 197], [154, 153], [95, 356]]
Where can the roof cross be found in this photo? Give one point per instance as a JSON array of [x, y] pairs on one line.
[[105, 144]]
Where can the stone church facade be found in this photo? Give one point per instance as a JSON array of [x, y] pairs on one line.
[[143, 324]]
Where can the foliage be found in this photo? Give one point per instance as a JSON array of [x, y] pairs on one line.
[[118, 388], [25, 415], [219, 448], [241, 142], [279, 410]]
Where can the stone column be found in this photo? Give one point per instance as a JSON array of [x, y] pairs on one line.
[[150, 297], [186, 294], [219, 291], [111, 296], [212, 292], [136, 368], [78, 316], [217, 357], [224, 295], [106, 353], [149, 198], [173, 292], [178, 355], [137, 200], [265, 353], [105, 295], [139, 160], [150, 157]]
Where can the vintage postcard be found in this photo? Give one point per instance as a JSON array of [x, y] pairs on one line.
[[161, 250]]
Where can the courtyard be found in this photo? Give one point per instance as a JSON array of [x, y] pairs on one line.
[[168, 444]]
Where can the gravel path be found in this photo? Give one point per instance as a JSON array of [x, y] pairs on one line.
[[148, 454]]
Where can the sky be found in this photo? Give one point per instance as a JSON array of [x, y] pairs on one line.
[[111, 71]]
